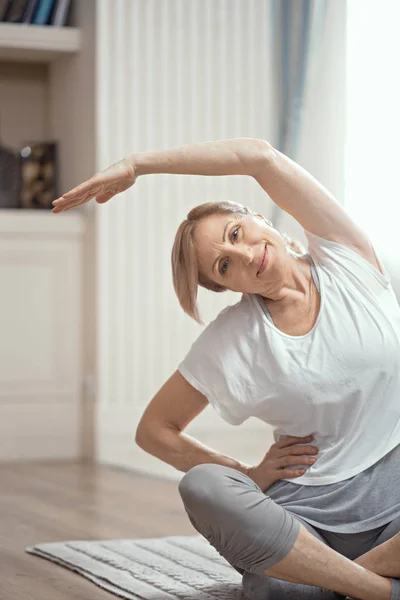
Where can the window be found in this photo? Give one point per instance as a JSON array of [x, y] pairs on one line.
[[372, 169]]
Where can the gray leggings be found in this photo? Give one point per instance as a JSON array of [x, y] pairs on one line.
[[253, 533]]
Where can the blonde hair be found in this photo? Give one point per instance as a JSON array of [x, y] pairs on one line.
[[186, 274]]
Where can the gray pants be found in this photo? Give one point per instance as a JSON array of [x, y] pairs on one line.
[[253, 533]]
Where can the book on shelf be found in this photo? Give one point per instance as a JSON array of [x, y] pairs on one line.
[[60, 13], [4, 8], [15, 11], [43, 12], [35, 12], [29, 12]]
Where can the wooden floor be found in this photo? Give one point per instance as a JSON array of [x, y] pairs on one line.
[[50, 502]]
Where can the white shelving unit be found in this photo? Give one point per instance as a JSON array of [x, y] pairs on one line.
[[47, 93], [36, 43]]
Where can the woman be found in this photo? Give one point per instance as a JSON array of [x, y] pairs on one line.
[[313, 348]]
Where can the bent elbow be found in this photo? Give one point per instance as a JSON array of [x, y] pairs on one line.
[[140, 437], [266, 153]]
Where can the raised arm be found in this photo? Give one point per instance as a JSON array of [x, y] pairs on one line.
[[288, 184], [239, 156]]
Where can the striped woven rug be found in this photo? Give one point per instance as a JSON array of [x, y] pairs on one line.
[[184, 567]]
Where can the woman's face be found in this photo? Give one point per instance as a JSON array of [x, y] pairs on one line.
[[231, 249]]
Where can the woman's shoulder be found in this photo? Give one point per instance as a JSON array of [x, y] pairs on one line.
[[231, 323], [231, 314], [349, 263]]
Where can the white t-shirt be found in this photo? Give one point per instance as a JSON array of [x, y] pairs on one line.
[[340, 382]]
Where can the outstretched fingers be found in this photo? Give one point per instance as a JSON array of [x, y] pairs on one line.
[[70, 199], [86, 190], [67, 204]]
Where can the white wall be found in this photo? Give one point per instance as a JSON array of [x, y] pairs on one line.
[[173, 73], [44, 416]]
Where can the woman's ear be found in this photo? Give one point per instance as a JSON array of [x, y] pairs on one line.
[[263, 218]]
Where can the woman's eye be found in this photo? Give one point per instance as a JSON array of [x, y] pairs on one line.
[[236, 231], [223, 267], [224, 264]]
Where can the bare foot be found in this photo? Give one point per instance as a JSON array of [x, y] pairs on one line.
[[384, 559]]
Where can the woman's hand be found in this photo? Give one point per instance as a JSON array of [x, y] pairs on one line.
[[282, 454], [102, 186]]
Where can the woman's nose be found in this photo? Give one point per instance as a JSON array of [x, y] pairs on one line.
[[246, 254]]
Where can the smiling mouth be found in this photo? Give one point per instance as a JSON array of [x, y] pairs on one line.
[[262, 265]]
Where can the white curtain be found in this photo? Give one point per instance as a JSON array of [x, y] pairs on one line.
[[301, 26], [373, 124]]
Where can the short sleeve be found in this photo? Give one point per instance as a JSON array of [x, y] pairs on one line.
[[347, 263], [211, 367]]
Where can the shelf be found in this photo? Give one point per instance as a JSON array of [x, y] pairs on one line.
[[41, 221], [37, 43]]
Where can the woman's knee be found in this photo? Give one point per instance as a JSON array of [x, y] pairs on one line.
[[247, 527], [201, 482]]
